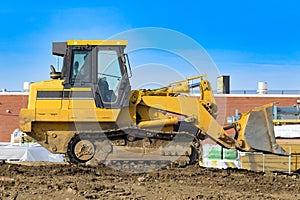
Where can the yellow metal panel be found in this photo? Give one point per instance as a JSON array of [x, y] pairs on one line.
[[94, 115], [80, 89], [84, 104], [55, 140], [32, 97], [83, 115], [65, 104], [97, 42], [44, 104], [107, 115], [52, 115], [86, 115], [44, 85], [26, 117], [181, 105]]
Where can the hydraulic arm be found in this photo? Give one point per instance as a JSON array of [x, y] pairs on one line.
[[253, 132]]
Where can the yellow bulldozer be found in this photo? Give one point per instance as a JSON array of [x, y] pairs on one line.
[[88, 111]]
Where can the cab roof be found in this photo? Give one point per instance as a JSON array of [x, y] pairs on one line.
[[59, 48], [97, 42]]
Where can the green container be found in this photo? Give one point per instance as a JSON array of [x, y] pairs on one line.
[[229, 154], [215, 153]]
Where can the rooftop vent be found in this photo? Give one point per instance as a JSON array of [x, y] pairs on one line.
[[262, 88]]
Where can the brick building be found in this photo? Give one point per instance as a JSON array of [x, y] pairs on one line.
[[12, 102], [229, 103], [10, 105]]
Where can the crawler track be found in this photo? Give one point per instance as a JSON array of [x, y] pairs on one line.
[[139, 150]]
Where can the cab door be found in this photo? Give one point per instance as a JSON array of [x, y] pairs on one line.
[[112, 79]]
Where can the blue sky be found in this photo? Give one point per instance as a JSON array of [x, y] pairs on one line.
[[251, 41]]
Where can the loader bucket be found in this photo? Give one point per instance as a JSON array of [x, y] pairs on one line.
[[258, 132]]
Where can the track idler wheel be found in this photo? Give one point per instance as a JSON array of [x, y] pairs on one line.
[[80, 151], [84, 150]]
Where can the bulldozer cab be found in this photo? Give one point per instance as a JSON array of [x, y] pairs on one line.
[[100, 65]]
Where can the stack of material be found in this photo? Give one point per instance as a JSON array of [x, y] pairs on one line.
[[287, 133], [216, 156], [268, 162]]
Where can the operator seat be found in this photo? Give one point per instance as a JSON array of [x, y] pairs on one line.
[[106, 94]]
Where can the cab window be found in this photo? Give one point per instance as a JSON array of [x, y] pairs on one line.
[[109, 75], [81, 67]]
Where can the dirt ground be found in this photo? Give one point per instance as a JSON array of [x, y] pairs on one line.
[[64, 181]]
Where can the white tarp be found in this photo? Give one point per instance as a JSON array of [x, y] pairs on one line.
[[27, 152], [287, 131]]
